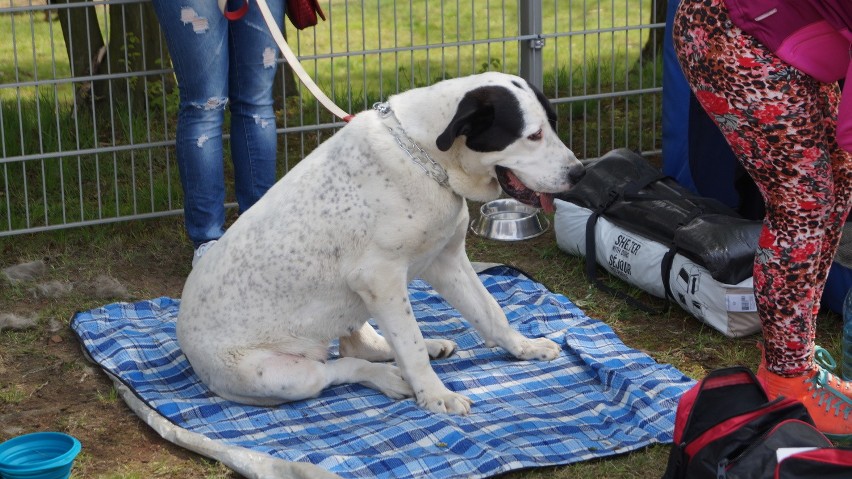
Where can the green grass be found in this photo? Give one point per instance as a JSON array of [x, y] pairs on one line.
[[428, 24], [582, 60], [79, 187], [12, 395], [577, 30], [152, 257], [84, 187], [110, 397]]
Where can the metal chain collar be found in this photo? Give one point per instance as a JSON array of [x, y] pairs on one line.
[[415, 152]]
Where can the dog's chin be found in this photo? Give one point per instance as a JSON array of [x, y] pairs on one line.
[[515, 188]]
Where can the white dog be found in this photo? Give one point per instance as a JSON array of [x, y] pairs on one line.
[[338, 239]]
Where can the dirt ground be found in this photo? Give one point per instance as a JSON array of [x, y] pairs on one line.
[[47, 384], [45, 381]]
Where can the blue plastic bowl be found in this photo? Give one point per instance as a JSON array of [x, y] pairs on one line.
[[40, 455]]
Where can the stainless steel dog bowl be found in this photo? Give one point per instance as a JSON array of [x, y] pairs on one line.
[[508, 219]]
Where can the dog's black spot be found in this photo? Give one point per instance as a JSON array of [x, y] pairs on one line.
[[490, 117], [545, 103]]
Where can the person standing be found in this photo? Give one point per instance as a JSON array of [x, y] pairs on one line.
[[221, 64], [767, 72]]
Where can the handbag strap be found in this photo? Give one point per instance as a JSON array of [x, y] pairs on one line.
[[233, 14], [287, 52]]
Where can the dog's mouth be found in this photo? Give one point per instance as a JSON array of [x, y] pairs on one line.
[[515, 188]]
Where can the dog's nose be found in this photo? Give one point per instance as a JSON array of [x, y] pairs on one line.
[[576, 173]]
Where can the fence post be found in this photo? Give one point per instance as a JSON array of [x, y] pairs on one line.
[[530, 48]]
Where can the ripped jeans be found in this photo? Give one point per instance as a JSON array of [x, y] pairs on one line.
[[218, 64]]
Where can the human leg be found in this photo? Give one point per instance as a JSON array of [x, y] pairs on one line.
[[253, 63], [196, 35], [841, 175], [768, 114], [778, 123]]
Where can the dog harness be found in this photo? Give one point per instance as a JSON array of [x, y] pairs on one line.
[[417, 154]]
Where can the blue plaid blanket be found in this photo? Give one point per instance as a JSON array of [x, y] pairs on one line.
[[598, 398]]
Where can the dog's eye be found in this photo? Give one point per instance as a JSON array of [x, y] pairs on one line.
[[536, 136]]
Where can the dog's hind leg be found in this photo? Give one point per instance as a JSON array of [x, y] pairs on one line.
[[366, 343], [268, 378]]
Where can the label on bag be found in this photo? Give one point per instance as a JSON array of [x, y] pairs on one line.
[[784, 452], [741, 303]]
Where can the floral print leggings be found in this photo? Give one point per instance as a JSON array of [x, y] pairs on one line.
[[780, 123]]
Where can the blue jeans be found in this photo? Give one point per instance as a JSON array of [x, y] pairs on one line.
[[221, 63]]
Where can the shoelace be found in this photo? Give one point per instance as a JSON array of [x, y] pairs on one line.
[[199, 252], [821, 385]]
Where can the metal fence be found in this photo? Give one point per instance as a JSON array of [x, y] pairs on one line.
[[88, 100]]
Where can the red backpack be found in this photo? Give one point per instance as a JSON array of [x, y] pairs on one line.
[[726, 427]]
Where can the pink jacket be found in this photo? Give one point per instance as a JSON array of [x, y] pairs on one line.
[[814, 36]]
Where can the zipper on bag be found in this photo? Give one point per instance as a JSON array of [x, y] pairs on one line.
[[726, 464]]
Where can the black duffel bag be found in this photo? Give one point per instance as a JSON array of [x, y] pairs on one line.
[[629, 192]]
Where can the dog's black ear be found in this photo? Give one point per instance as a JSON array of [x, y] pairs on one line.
[[471, 109], [490, 117]]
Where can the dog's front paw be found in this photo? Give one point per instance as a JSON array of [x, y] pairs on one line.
[[541, 349], [445, 402]]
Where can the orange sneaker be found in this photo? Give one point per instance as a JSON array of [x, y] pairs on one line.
[[827, 398]]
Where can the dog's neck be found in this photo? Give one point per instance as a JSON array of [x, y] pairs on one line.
[[416, 152], [477, 187]]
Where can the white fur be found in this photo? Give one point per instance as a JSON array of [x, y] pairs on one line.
[[336, 242]]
